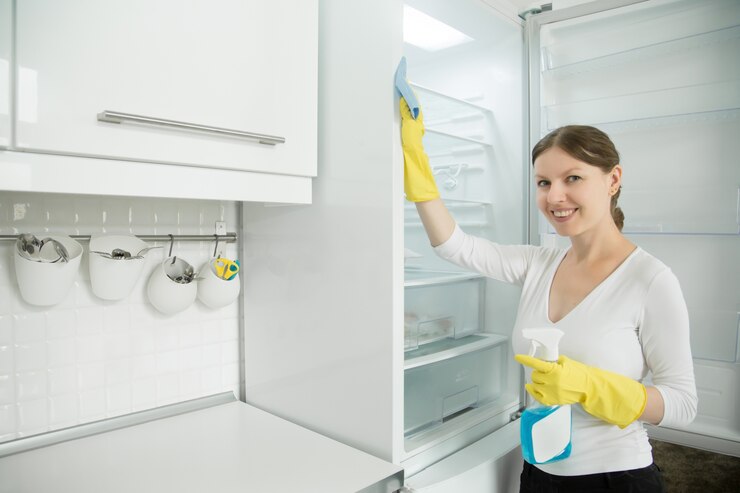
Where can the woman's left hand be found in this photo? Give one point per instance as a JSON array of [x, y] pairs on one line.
[[616, 399]]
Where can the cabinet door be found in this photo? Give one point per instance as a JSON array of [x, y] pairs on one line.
[[245, 65]]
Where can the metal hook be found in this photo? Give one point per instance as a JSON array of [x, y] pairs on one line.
[[215, 249]]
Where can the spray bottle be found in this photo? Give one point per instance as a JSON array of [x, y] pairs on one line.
[[545, 430]]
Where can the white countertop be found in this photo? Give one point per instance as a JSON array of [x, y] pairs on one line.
[[226, 448]]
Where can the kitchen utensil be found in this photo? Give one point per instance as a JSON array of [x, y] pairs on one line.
[[213, 290], [114, 271], [50, 250], [47, 250], [171, 287], [46, 269], [225, 268], [180, 271]]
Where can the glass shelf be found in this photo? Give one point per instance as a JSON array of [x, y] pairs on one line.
[[695, 119], [642, 31], [674, 229], [448, 348], [654, 51], [683, 102]]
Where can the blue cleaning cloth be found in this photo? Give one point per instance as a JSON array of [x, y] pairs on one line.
[[403, 87]]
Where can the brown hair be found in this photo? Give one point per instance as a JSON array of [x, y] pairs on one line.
[[587, 144]]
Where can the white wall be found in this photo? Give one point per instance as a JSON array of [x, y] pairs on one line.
[[323, 302], [86, 359]]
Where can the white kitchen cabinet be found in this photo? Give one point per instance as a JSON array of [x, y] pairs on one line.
[[5, 50], [222, 68]]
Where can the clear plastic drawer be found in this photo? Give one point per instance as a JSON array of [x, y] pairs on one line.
[[456, 383], [441, 305]]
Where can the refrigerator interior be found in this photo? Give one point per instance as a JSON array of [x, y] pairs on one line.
[[662, 78], [460, 379]]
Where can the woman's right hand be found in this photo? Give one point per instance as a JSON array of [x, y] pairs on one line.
[[419, 183]]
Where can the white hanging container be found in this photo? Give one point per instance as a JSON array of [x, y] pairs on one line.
[[114, 278], [214, 291], [165, 293], [48, 283]]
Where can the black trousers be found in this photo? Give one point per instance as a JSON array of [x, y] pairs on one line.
[[647, 480]]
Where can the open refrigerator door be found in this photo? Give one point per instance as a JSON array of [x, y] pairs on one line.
[[461, 382]]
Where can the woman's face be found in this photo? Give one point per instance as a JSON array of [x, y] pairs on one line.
[[573, 195]]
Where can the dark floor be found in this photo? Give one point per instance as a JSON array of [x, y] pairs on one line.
[[689, 470]]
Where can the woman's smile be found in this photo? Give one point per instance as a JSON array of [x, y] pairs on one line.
[[562, 215]]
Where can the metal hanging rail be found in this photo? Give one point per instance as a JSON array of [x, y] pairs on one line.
[[229, 237]]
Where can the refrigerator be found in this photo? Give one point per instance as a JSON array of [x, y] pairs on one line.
[[355, 329]]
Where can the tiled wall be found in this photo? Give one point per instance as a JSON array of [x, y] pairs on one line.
[[86, 359]]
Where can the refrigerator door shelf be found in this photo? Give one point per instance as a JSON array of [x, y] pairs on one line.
[[494, 460], [418, 277], [448, 348], [453, 124], [438, 142], [438, 306], [439, 392], [431, 444], [444, 106], [468, 213]]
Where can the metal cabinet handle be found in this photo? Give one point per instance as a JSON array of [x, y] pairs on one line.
[[118, 117]]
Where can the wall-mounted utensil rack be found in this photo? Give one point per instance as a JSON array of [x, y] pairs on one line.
[[229, 237]]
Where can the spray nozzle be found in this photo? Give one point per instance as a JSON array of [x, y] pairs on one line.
[[544, 342]]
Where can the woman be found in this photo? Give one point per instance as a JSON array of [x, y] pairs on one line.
[[621, 309]]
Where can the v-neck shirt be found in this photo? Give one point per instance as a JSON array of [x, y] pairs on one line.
[[634, 323], [558, 264]]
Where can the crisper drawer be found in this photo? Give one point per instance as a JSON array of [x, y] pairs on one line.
[[438, 305], [450, 377]]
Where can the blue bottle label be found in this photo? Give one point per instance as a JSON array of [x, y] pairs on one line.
[[546, 434]]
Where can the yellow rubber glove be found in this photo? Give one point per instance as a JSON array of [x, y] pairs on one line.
[[418, 179], [616, 399]]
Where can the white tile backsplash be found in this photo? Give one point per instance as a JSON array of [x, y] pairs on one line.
[[86, 359]]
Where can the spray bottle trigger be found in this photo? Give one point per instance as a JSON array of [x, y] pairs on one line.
[[534, 346]]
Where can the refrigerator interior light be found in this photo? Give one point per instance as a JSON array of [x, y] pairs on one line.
[[428, 33]]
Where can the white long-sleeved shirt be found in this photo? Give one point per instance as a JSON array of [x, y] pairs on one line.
[[632, 323]]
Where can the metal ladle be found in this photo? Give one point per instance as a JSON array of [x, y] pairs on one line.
[[60, 249], [30, 248]]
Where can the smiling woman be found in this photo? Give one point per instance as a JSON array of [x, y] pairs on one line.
[[621, 310]]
